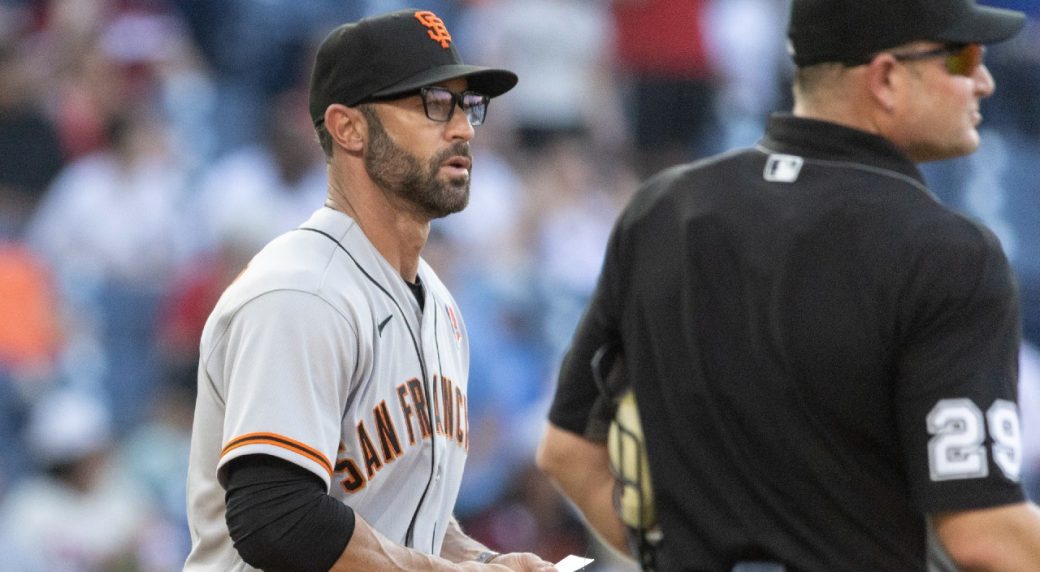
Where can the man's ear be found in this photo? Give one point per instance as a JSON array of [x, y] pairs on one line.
[[884, 82], [346, 126]]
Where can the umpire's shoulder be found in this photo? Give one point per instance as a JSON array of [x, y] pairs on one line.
[[661, 190]]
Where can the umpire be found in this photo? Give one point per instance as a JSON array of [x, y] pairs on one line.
[[823, 355]]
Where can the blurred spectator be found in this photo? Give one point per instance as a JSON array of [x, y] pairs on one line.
[[29, 345], [110, 230], [448, 10], [182, 314], [261, 190], [81, 512], [245, 199], [668, 80], [155, 455], [159, 66], [575, 197], [1017, 64], [257, 49], [745, 41], [564, 60], [1029, 402], [30, 154], [87, 84], [112, 216], [1012, 119], [14, 16], [92, 59], [29, 335]]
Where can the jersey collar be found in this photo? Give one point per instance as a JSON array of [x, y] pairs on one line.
[[818, 139]]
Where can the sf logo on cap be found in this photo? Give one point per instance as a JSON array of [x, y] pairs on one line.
[[436, 29]]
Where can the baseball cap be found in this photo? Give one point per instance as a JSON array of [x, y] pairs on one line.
[[392, 54], [851, 31]]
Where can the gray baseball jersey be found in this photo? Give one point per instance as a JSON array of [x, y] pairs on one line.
[[320, 355]]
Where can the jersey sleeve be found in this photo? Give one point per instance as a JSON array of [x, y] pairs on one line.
[[579, 406], [957, 374], [290, 356]]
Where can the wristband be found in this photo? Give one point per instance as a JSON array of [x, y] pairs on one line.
[[487, 556]]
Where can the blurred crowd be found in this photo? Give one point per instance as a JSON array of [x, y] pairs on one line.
[[149, 147]]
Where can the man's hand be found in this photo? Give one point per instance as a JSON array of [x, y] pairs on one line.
[[460, 548], [522, 562]]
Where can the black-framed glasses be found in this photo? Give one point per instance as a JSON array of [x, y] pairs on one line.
[[440, 103], [961, 59]]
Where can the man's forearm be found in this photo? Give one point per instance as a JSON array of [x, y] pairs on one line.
[[370, 550], [1005, 538], [459, 546], [595, 499], [581, 471]]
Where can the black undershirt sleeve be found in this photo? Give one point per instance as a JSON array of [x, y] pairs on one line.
[[280, 517]]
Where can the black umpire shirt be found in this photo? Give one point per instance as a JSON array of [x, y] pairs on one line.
[[822, 354]]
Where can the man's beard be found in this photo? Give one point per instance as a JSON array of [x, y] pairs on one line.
[[401, 174]]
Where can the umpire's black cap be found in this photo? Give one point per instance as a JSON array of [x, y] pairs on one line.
[[852, 31], [392, 54]]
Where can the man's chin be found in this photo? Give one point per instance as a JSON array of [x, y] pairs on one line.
[[451, 202], [453, 208], [950, 150]]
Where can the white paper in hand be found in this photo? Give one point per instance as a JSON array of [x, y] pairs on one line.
[[572, 563]]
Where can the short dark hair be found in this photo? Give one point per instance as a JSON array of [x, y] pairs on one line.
[[324, 139]]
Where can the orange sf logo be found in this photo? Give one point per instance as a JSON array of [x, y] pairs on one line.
[[435, 28]]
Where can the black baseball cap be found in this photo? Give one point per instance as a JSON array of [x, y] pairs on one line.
[[392, 54], [852, 31]]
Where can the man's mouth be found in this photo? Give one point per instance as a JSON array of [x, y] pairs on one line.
[[458, 164]]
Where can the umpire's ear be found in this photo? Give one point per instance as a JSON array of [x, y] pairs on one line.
[[346, 126], [884, 82]]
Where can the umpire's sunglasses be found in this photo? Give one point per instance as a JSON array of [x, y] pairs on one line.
[[961, 59]]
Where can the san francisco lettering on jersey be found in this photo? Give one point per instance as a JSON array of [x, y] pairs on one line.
[[380, 442]]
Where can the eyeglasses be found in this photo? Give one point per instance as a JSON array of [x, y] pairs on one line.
[[439, 103], [961, 59]]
